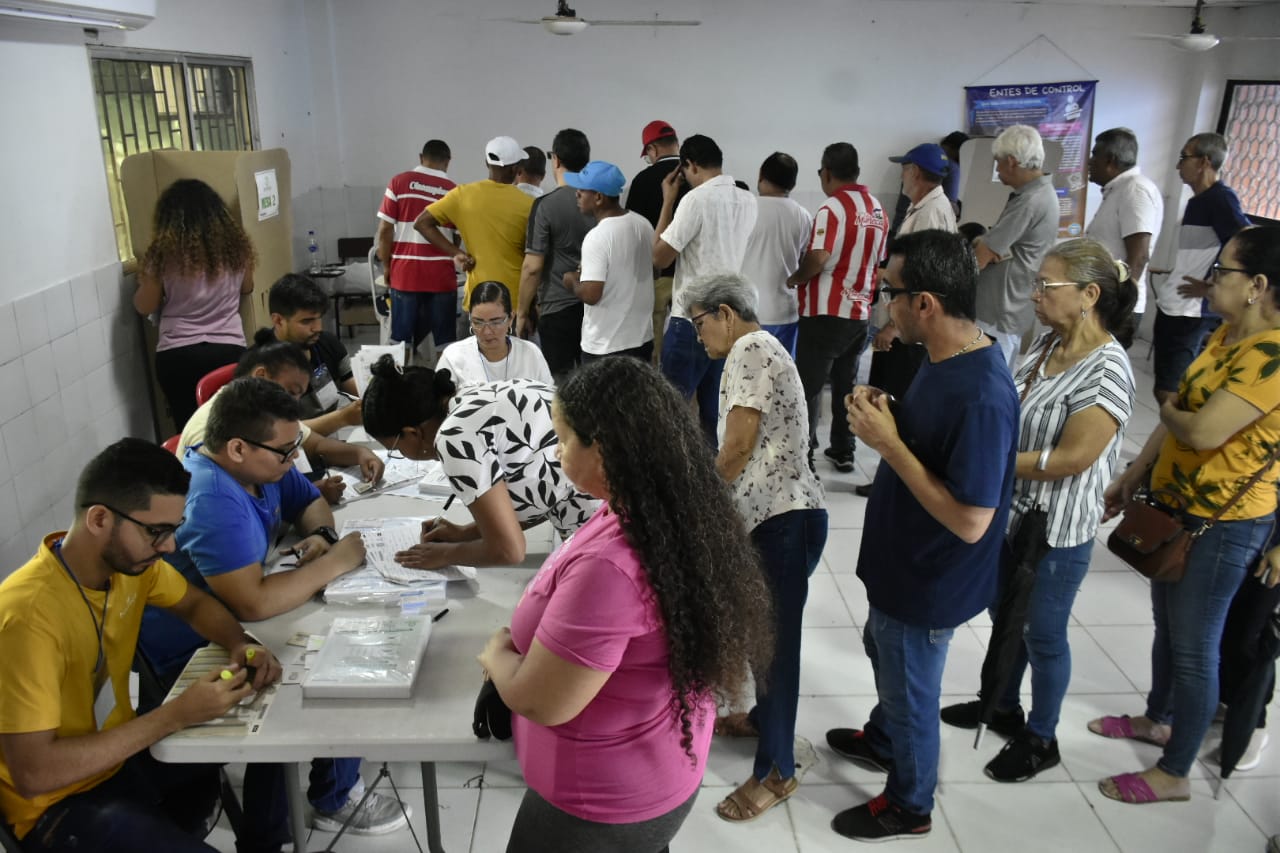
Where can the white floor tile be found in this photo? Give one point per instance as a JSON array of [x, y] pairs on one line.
[[1260, 800], [854, 593], [832, 662], [1191, 827], [1129, 646], [841, 553], [705, 831], [1032, 816], [825, 607], [1113, 598]]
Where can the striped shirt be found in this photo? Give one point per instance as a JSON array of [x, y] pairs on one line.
[[852, 227], [1102, 378], [416, 265]]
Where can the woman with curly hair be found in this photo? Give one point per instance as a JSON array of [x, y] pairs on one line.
[[627, 636], [198, 265]]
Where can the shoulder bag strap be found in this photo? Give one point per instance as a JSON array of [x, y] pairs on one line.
[[1035, 371], [1271, 460]]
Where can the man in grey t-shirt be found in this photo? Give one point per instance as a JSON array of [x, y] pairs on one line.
[[553, 247], [1009, 255]]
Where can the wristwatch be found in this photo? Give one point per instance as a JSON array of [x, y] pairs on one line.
[[326, 533]]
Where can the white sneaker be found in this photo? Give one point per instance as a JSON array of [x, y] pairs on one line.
[[1253, 752], [380, 814]]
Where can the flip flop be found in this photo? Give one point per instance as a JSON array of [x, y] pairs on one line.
[[742, 805], [737, 724], [1131, 788], [1121, 728]]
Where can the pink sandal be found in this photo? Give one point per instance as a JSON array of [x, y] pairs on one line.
[[1120, 727], [1131, 788]]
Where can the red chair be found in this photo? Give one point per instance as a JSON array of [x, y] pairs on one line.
[[212, 381], [171, 444]]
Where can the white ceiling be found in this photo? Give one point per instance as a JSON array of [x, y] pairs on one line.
[[1170, 4]]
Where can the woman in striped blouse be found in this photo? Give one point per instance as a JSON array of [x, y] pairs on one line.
[[1077, 390]]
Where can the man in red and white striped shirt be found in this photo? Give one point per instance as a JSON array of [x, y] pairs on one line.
[[836, 284], [423, 281]]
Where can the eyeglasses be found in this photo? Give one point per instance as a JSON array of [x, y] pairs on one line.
[[159, 533], [285, 453], [1218, 270], [495, 323], [1039, 286], [697, 326], [392, 453]]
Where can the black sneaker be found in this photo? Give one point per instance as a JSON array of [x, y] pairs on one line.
[[863, 491], [852, 744], [880, 820], [967, 715], [842, 462], [1023, 757]]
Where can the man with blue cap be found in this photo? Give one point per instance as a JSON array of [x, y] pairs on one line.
[[615, 281]]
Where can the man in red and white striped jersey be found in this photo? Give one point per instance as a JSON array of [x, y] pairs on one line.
[[836, 283], [423, 281]]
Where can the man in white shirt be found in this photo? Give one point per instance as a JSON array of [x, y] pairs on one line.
[[1129, 218], [708, 233], [615, 281], [776, 246]]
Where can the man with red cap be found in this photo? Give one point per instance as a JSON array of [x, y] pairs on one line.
[[661, 150]]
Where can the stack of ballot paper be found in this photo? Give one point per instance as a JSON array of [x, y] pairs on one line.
[[370, 657]]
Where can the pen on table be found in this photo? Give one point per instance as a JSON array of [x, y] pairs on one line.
[[448, 502], [439, 615]]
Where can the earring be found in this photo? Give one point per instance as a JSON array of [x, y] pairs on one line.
[[1083, 313], [1252, 299]]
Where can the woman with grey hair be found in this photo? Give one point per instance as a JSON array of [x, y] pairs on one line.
[[764, 456]]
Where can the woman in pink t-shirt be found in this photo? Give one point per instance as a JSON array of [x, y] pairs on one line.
[[627, 636], [198, 265]]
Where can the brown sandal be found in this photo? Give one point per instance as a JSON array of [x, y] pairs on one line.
[[754, 797], [736, 724]]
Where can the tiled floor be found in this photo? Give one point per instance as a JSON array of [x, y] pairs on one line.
[[1060, 810]]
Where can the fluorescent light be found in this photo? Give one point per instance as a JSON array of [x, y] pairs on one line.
[[1196, 42], [564, 26], [57, 18]]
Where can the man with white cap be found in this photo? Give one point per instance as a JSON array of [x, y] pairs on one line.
[[615, 280], [490, 216]]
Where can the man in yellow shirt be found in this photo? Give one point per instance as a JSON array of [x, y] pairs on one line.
[[74, 767], [490, 216]]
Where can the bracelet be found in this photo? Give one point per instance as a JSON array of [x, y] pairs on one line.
[[1043, 462]]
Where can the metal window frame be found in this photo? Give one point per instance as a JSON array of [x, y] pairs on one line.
[[1224, 118]]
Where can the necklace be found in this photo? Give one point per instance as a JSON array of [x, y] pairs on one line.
[[964, 349], [506, 363]]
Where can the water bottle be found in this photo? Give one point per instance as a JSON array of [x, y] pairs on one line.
[[313, 252]]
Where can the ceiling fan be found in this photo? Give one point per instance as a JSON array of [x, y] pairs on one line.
[[1198, 40], [565, 22]]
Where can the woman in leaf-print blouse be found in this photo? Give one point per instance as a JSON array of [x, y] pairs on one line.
[[498, 449], [1211, 441]]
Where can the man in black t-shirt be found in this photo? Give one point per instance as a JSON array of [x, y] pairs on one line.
[[297, 307], [662, 152]]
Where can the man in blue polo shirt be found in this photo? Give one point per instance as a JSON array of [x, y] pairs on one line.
[[934, 523], [244, 491]]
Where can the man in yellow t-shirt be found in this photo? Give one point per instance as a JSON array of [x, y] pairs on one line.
[[74, 766], [490, 215]]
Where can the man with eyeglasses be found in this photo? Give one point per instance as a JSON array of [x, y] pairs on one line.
[[244, 491], [1211, 218], [74, 766]]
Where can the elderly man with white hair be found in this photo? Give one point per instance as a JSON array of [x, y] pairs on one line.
[[1009, 255]]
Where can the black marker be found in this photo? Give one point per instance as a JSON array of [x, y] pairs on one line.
[[439, 615]]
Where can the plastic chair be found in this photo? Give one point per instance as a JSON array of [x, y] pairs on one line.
[[212, 381], [171, 444]]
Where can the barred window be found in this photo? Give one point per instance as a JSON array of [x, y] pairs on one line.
[[1250, 121], [150, 100]]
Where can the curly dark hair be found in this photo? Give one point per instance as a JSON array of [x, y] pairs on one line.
[[195, 233], [678, 514], [396, 398]]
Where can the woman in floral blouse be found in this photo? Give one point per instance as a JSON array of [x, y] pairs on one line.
[[498, 448], [1219, 433]]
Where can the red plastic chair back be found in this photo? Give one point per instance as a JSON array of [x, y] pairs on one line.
[[212, 381], [171, 444]]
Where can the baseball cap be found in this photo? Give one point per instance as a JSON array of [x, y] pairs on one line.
[[598, 176], [929, 157], [653, 131], [503, 151]]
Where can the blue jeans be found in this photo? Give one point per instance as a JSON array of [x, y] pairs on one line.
[[790, 546], [1189, 616], [147, 805], [786, 333], [414, 315], [1058, 579], [907, 661], [686, 363]]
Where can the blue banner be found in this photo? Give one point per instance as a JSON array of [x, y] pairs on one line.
[[1061, 112]]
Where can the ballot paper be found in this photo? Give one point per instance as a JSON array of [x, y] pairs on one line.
[[240, 720], [385, 537], [364, 359], [371, 657]]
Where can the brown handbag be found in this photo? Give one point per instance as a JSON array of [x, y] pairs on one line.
[[1152, 538]]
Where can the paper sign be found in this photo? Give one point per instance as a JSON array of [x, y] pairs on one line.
[[268, 194]]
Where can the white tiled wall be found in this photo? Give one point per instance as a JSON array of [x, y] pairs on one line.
[[72, 380]]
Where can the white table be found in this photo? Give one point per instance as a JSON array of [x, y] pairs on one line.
[[434, 725]]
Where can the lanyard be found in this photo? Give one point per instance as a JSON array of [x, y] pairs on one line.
[[98, 627]]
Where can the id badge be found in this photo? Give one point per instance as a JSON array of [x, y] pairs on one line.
[[105, 704], [325, 389]]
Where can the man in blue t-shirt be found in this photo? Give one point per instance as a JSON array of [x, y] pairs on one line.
[[934, 524], [244, 491]]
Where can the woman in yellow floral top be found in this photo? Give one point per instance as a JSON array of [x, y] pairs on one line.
[[1219, 433]]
